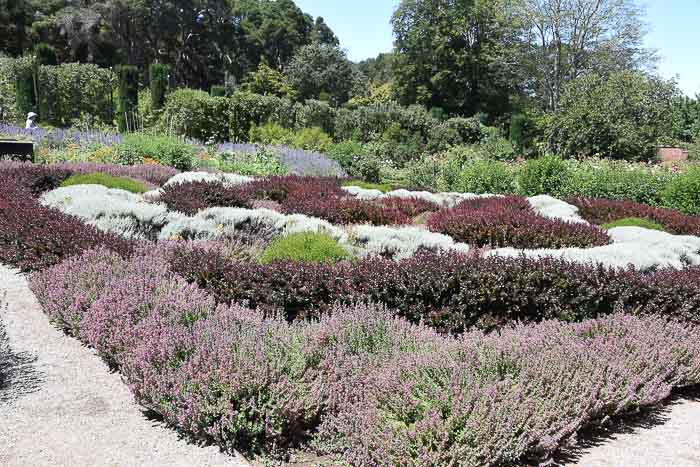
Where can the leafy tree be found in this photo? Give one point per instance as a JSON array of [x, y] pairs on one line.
[[320, 69], [568, 39], [322, 34], [268, 81], [455, 54], [379, 69], [621, 116]]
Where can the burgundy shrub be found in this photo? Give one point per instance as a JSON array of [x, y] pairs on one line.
[[411, 207], [33, 237], [191, 197], [511, 222], [602, 211]]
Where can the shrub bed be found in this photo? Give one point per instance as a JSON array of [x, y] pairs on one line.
[[603, 211], [228, 375], [109, 181], [511, 222], [33, 237]]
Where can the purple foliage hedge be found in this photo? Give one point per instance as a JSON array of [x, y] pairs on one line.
[[32, 236], [448, 291], [313, 196], [510, 221], [359, 382], [602, 211]]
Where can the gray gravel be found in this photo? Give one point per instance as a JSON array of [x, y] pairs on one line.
[[79, 414], [672, 441]]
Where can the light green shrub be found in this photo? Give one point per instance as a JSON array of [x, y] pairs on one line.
[[683, 192], [195, 114], [109, 181], [305, 246], [485, 176], [633, 222], [166, 150], [312, 139], [545, 175]]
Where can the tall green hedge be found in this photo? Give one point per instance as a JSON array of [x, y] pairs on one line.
[[24, 75], [45, 54], [159, 75], [69, 91], [128, 95]]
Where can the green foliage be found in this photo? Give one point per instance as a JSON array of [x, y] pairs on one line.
[[128, 95], [218, 90], [348, 153], [454, 54], [45, 54], [383, 187], [24, 75], [136, 147], [109, 181], [265, 162], [633, 222], [614, 180], [485, 176], [545, 175], [683, 192], [247, 110], [619, 117], [75, 91], [159, 75], [195, 114], [268, 81], [305, 246], [311, 139], [320, 68]]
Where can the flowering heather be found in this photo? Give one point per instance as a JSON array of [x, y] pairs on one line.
[[60, 138], [603, 211], [411, 207], [35, 178], [511, 222], [229, 375], [192, 197]]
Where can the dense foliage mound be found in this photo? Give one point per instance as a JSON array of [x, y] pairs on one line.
[[511, 221], [109, 181]]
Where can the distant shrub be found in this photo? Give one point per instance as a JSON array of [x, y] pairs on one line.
[[45, 54], [312, 139], [304, 246], [270, 134], [109, 181], [137, 147], [484, 176], [545, 175], [196, 114], [633, 222], [263, 162], [614, 180], [683, 192], [159, 75], [128, 95]]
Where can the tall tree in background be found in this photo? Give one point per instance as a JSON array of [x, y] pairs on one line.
[[566, 39], [320, 70], [323, 34], [455, 54]]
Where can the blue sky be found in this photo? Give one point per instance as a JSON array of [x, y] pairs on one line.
[[364, 31]]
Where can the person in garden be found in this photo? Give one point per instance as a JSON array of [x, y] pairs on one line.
[[31, 121]]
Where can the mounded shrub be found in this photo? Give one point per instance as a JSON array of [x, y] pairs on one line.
[[196, 114], [304, 246], [511, 222], [137, 147], [543, 176], [191, 197], [633, 222], [604, 211], [683, 192]]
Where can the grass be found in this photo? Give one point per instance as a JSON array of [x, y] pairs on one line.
[[633, 222], [109, 181], [304, 246], [383, 187]]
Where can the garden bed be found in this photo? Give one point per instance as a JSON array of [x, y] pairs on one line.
[[465, 354]]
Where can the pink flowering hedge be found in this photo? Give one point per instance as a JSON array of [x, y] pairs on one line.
[[510, 221], [359, 383]]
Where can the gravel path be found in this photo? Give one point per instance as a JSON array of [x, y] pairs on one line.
[[670, 439], [79, 414]]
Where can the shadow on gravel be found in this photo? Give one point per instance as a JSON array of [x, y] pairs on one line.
[[18, 374], [630, 423]]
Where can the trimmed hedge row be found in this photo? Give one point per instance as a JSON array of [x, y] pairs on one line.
[[448, 291]]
